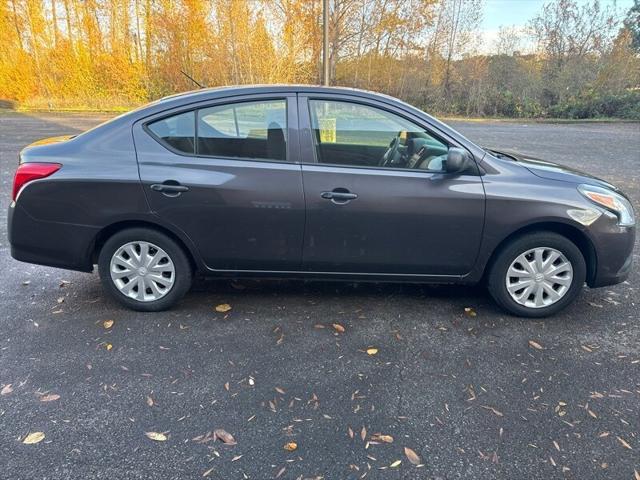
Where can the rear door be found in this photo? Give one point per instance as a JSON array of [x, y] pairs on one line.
[[226, 174], [378, 199]]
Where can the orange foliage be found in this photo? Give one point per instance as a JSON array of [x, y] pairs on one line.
[[120, 53], [111, 54]]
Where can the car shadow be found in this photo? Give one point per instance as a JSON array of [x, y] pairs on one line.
[[351, 294], [328, 287]]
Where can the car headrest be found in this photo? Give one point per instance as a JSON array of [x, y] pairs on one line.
[[415, 144], [276, 143]]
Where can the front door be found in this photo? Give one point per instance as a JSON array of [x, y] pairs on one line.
[[377, 197], [224, 174]]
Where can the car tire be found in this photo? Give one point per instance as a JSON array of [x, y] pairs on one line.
[[532, 262], [144, 257]]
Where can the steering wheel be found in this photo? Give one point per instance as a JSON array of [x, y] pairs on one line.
[[388, 159]]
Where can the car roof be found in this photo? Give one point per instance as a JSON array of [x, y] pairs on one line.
[[204, 94], [269, 88], [186, 99]]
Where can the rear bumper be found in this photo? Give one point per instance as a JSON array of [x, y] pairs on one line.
[[61, 245]]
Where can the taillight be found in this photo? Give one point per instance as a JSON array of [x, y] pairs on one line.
[[31, 171]]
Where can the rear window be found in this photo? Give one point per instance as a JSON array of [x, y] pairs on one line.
[[253, 130], [256, 130], [177, 131]]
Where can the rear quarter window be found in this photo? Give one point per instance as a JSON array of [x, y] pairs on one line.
[[177, 131]]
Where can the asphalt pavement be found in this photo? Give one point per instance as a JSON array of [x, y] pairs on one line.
[[339, 369]]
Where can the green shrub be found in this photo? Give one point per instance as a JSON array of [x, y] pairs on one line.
[[624, 105]]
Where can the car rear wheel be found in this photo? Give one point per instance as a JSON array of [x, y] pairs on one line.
[[537, 274], [144, 269]]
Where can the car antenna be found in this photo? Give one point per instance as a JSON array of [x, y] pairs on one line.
[[191, 78]]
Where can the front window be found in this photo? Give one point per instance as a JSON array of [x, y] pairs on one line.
[[359, 135]]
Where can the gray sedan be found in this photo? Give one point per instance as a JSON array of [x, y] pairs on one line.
[[314, 183]]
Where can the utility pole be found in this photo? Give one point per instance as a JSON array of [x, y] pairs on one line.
[[325, 42]]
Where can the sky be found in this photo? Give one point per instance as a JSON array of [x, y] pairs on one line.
[[517, 13]]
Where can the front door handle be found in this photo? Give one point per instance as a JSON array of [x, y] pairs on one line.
[[172, 189], [339, 196]]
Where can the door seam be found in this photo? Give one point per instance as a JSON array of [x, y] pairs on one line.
[[304, 195]]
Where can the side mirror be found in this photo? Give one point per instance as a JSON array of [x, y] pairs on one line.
[[457, 160]]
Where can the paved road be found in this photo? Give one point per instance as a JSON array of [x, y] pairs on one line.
[[469, 394]]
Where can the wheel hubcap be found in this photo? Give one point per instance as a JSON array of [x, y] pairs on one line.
[[142, 271], [539, 277]]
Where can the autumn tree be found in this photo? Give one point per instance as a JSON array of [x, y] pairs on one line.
[[120, 53], [570, 36], [632, 24]]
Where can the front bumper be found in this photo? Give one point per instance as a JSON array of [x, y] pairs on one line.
[[613, 246]]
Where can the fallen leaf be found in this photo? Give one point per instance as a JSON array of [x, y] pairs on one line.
[[624, 443], [26, 282], [636, 475], [224, 436], [395, 464], [338, 328], [108, 346], [363, 433], [535, 345], [280, 390], [208, 472], [223, 308], [52, 397], [35, 437], [372, 351], [156, 436], [7, 389], [378, 437], [237, 457], [291, 446], [150, 401], [107, 323], [470, 311], [495, 412], [412, 456]]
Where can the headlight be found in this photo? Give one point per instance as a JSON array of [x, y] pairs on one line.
[[612, 201]]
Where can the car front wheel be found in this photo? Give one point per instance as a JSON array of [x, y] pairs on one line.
[[144, 269], [537, 275]]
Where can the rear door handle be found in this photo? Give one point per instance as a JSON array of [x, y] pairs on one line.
[[169, 189], [339, 196]]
